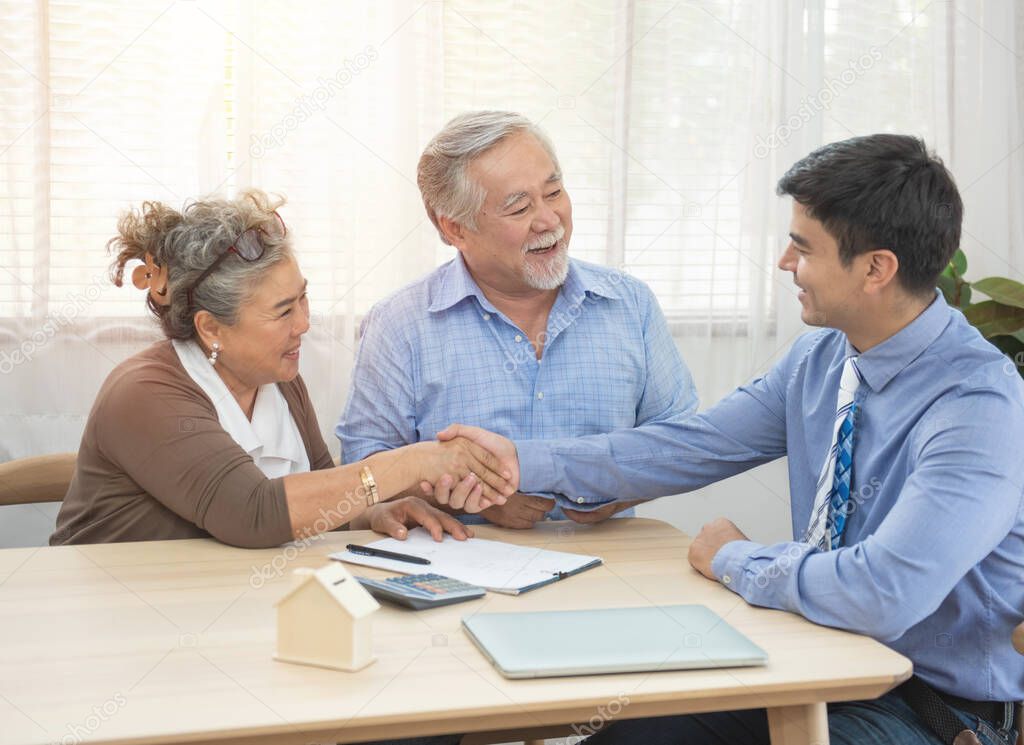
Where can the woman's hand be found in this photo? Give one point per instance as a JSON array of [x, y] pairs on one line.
[[468, 493], [479, 478], [395, 517]]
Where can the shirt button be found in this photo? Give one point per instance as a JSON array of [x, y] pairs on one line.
[[540, 395], [726, 579], [519, 338], [487, 316], [579, 500]]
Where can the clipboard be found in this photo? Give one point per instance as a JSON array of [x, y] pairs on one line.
[[494, 565], [558, 576]]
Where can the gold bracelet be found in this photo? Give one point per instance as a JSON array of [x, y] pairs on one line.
[[370, 485]]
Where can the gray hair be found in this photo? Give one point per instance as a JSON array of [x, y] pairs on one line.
[[443, 172], [189, 242]]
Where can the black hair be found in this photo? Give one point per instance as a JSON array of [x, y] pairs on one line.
[[883, 191]]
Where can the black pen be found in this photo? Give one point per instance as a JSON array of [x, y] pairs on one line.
[[368, 551]]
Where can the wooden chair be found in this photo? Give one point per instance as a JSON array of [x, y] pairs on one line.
[[44, 478], [1018, 644]]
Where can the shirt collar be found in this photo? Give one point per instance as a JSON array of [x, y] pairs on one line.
[[456, 284], [586, 278], [882, 363]]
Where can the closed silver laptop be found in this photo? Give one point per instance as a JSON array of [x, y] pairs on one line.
[[610, 640]]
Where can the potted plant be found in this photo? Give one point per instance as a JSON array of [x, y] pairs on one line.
[[1000, 319]]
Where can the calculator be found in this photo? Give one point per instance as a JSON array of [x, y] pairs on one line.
[[420, 591]]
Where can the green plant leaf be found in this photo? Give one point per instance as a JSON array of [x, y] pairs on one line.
[[948, 286], [959, 262], [965, 295], [1008, 343], [1002, 290], [992, 318]]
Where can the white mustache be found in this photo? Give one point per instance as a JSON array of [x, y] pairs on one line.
[[545, 240]]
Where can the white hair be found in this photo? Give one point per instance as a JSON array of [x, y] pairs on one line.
[[189, 242], [443, 171]]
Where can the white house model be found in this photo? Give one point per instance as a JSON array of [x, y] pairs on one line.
[[324, 620]]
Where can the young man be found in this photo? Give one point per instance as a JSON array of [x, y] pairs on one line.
[[512, 334], [903, 429]]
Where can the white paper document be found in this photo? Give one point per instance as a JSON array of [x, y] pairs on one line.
[[493, 565]]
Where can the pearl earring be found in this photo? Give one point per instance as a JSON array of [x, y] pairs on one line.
[[213, 355]]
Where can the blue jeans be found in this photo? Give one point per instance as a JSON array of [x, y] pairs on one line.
[[885, 721]]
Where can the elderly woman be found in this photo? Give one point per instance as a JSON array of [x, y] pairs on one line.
[[211, 432]]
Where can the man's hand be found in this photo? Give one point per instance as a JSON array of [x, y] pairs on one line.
[[487, 480], [709, 541], [521, 511], [599, 515], [395, 517], [498, 446]]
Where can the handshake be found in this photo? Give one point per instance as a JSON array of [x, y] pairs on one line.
[[477, 471], [468, 468]]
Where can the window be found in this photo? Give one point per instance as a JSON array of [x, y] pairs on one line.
[[662, 114]]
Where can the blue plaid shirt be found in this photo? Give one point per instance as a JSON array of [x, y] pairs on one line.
[[438, 352]]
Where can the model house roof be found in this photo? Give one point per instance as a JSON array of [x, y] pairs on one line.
[[339, 584]]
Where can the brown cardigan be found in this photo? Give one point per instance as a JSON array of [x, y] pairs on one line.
[[155, 463]]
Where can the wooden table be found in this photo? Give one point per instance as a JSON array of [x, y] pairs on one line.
[[172, 642]]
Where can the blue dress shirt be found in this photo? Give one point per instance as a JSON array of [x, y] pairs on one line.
[[438, 352], [933, 556]]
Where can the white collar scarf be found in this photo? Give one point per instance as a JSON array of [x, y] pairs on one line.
[[272, 438]]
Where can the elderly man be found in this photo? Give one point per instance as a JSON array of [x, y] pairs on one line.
[[511, 334]]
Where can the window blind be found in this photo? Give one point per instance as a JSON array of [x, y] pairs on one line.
[[649, 105]]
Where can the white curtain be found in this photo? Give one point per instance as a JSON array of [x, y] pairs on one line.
[[673, 122]]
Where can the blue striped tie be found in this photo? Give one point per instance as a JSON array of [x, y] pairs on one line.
[[828, 516], [840, 495]]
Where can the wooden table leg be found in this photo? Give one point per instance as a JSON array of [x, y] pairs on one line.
[[798, 725]]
